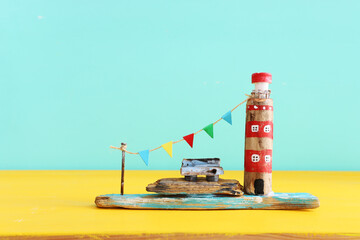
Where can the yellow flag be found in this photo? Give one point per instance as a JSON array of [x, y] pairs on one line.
[[168, 147]]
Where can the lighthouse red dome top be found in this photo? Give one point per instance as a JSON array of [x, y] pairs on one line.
[[261, 77]]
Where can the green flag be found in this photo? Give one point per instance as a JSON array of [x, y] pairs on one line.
[[209, 129]]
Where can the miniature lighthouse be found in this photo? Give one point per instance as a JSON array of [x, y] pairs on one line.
[[259, 137]]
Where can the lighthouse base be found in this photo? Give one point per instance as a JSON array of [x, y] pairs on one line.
[[256, 183]]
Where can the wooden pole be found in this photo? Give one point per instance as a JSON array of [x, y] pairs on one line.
[[123, 147]]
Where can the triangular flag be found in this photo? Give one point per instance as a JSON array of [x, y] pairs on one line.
[[168, 147], [209, 129], [189, 139], [145, 156], [227, 117]]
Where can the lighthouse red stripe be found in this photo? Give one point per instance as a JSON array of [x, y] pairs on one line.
[[259, 129], [259, 107], [258, 161]]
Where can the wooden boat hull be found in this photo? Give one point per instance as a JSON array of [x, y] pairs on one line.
[[207, 202]]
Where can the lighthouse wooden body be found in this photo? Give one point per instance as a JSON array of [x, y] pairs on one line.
[[259, 137]]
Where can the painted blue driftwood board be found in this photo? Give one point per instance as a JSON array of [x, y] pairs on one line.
[[206, 202]]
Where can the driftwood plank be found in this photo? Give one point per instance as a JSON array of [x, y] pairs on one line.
[[201, 186], [207, 202]]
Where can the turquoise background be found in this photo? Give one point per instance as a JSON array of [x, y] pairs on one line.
[[79, 76]]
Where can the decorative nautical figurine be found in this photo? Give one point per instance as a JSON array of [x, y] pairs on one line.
[[213, 192], [259, 137]]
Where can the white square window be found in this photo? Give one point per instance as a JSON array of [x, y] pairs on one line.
[[254, 128], [255, 158], [267, 158], [267, 128]]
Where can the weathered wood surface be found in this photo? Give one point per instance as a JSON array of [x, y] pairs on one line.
[[201, 186], [207, 202], [201, 166]]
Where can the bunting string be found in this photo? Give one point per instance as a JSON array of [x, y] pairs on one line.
[[189, 138]]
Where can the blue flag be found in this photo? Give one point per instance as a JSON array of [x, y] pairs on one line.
[[145, 156], [227, 117]]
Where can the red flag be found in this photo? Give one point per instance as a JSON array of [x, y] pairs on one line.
[[189, 139]]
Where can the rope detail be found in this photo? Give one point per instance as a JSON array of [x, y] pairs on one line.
[[123, 148]]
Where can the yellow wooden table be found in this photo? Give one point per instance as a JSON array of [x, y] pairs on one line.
[[60, 205]]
